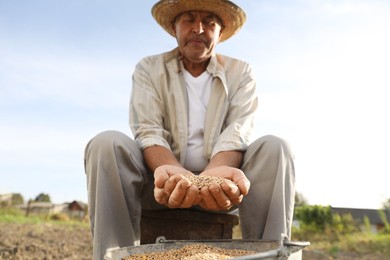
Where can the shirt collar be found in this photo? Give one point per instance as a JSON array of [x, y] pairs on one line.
[[215, 67]]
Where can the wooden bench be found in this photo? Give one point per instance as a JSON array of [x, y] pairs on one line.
[[185, 224]]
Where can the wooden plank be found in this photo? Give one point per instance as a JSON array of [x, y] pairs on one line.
[[184, 224]]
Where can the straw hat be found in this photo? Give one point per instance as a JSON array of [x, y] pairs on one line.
[[232, 16]]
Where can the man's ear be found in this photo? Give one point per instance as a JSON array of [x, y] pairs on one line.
[[173, 28], [220, 35]]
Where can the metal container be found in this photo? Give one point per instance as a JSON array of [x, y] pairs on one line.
[[265, 249]]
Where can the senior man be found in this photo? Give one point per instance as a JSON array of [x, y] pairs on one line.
[[191, 112]]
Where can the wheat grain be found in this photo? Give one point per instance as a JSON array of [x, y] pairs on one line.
[[192, 252], [201, 181]]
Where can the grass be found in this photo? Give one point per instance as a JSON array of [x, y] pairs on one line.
[[367, 243], [362, 243], [13, 215]]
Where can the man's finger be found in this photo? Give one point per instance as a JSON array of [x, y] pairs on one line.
[[191, 197], [178, 194], [231, 190], [160, 196], [220, 197], [243, 184], [208, 200], [160, 177], [171, 183]]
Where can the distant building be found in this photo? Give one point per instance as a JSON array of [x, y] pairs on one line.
[[74, 209], [359, 214], [42, 208], [39, 208], [6, 200], [10, 199]]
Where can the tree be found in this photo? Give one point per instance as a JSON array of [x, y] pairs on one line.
[[42, 197], [17, 199], [300, 200], [314, 218], [386, 205], [383, 217]]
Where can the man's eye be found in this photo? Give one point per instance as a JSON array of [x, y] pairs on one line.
[[188, 20], [209, 21]]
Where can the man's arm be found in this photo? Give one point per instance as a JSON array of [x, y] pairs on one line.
[[157, 155], [226, 158]]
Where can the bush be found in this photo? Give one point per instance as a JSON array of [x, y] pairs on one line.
[[313, 218], [344, 224], [59, 217], [10, 211], [315, 222], [386, 229]]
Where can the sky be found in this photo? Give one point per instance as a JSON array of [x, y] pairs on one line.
[[322, 71]]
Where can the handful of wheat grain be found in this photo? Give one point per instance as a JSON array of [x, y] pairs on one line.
[[201, 181]]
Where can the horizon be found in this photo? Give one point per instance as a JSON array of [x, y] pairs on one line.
[[25, 201]]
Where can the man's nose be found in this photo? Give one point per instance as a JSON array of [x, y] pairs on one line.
[[198, 27]]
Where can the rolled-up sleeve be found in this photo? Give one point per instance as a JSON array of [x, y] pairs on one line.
[[146, 110], [243, 103]]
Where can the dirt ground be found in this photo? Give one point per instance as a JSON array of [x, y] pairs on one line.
[[44, 241], [49, 241]]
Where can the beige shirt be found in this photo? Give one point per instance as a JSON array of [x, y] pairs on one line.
[[159, 105]]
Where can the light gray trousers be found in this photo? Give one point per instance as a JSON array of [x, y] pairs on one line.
[[119, 186]]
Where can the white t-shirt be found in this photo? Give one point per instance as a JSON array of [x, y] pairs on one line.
[[198, 89]]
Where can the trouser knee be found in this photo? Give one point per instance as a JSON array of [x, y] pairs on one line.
[[106, 140], [268, 157], [271, 145], [105, 147]]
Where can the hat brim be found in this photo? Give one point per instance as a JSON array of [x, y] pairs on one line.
[[231, 15]]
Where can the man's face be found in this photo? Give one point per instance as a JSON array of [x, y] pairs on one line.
[[197, 34]]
